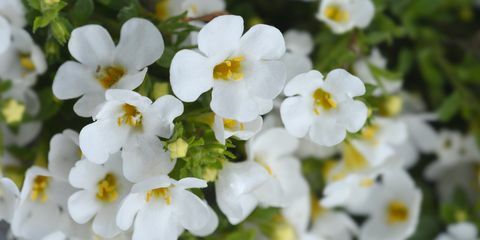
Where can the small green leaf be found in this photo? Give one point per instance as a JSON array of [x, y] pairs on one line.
[[35, 4], [166, 58], [450, 106], [245, 234], [81, 11]]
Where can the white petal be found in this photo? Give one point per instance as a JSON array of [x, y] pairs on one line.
[[82, 206], [86, 174], [190, 209], [296, 116], [141, 44], [166, 108], [211, 221], [104, 223], [73, 80], [266, 78], [191, 74], [8, 200], [190, 182], [230, 99], [352, 115], [304, 84], [327, 133], [299, 42], [343, 85], [284, 143], [221, 35], [262, 42], [89, 104], [91, 45], [129, 208], [155, 222], [364, 10], [5, 34], [296, 64], [62, 155], [100, 139], [132, 80]]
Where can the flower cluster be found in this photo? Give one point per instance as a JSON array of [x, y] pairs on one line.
[[190, 122]]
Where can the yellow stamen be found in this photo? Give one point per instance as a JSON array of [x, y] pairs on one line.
[[161, 9], [369, 133], [397, 212], [27, 63], [233, 125], [13, 111], [158, 193], [39, 189], [230, 69], [353, 159], [323, 99], [131, 116], [107, 189], [367, 182], [336, 13], [108, 76], [317, 208]]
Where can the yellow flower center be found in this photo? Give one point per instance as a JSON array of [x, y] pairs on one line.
[[316, 208], [108, 76], [107, 189], [39, 189], [230, 69], [353, 161], [367, 182], [131, 116], [233, 125], [324, 100], [369, 133], [161, 10], [26, 62], [13, 111], [336, 13], [159, 193], [397, 212]]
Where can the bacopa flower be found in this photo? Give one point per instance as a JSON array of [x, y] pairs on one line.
[[9, 195], [344, 15], [271, 176], [131, 122], [161, 208], [225, 128], [102, 189], [397, 208], [103, 66], [12, 15], [325, 109], [245, 72]]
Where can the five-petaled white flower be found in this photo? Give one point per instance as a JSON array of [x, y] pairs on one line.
[[323, 109], [103, 66], [132, 123], [397, 208], [271, 176], [12, 15], [344, 15], [103, 188], [245, 72], [161, 208], [225, 128]]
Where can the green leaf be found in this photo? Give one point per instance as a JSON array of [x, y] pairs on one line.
[[43, 21], [61, 28], [450, 106], [244, 234], [166, 58], [5, 85], [35, 4], [49, 105], [81, 11]]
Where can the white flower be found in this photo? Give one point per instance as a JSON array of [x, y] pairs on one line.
[[102, 189], [23, 59], [460, 231], [8, 198], [336, 225], [64, 153], [362, 68], [324, 109], [245, 72], [194, 8], [42, 205], [12, 15], [344, 15], [225, 128], [299, 44], [131, 122], [162, 208], [271, 176], [396, 208], [103, 66]]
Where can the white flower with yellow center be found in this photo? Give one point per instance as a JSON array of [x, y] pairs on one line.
[[103, 66], [103, 188], [344, 15], [194, 8], [23, 59], [64, 153], [396, 208], [245, 72], [325, 109], [132, 123], [460, 231], [9, 195], [270, 177], [12, 15], [161, 208], [42, 206], [299, 44], [225, 128]]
